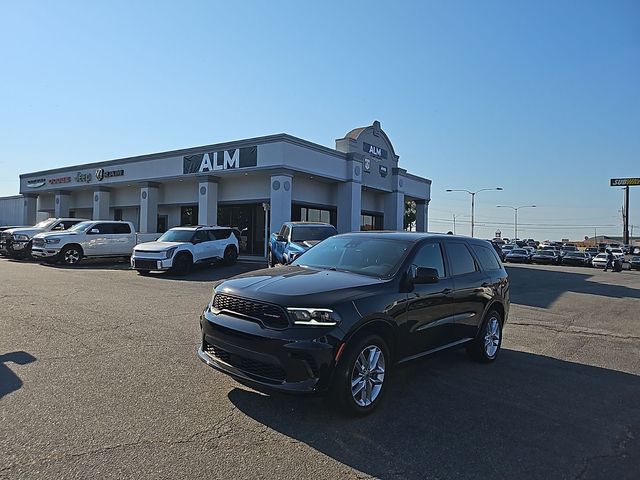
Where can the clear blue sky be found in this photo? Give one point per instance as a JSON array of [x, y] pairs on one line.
[[541, 98]]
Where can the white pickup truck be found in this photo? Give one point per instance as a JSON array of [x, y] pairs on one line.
[[89, 239], [16, 242]]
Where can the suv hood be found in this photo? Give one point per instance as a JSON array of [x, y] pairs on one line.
[[156, 246], [304, 245], [57, 233], [295, 286], [30, 231]]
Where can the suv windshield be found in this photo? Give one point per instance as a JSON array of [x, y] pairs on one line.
[[176, 236], [79, 227], [301, 234], [375, 257], [45, 223]]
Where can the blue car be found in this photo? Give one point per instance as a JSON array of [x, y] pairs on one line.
[[295, 238]]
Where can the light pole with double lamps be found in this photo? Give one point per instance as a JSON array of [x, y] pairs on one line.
[[473, 200], [515, 222]]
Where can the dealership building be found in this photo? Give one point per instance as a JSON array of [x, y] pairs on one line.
[[254, 185]]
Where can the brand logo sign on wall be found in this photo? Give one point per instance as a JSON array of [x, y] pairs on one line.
[[373, 150], [36, 182], [101, 173], [223, 160]]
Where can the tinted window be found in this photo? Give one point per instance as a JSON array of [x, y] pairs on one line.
[[286, 232], [103, 228], [362, 254], [460, 259], [301, 234], [219, 234], [177, 236], [121, 228], [487, 257], [201, 236], [430, 255]]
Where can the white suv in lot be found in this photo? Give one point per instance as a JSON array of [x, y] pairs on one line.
[[178, 249], [94, 239]]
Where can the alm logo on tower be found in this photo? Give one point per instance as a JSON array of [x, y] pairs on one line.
[[373, 150]]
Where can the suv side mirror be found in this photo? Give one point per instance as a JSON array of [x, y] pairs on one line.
[[279, 238], [425, 275]]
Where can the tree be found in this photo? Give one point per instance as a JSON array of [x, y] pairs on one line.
[[409, 214]]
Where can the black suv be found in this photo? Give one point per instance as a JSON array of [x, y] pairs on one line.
[[347, 310]]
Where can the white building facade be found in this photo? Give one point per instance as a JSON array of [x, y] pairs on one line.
[[254, 185]]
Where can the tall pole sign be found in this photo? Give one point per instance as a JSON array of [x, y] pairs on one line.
[[626, 183]]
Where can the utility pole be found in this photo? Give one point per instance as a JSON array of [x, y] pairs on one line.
[[473, 201], [454, 223], [625, 215]]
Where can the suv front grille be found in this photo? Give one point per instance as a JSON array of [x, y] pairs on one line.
[[271, 316], [267, 371]]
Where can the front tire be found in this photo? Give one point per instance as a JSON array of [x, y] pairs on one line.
[[71, 255], [230, 255], [361, 375], [486, 346], [182, 264], [270, 262]]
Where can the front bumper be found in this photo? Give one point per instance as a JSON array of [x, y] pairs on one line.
[[294, 360], [145, 263], [44, 252]]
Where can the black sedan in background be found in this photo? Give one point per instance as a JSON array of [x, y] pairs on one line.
[[635, 263], [546, 257], [580, 259], [518, 255], [345, 312]]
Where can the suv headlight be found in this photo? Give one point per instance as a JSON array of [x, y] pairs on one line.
[[169, 253], [21, 238], [322, 317], [51, 240]]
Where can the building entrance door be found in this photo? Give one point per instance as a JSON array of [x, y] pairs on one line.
[[249, 220], [188, 215]]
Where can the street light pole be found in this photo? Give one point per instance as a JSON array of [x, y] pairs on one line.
[[515, 216], [473, 201]]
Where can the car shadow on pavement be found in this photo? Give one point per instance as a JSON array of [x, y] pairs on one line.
[[92, 264], [9, 381], [206, 273], [524, 416], [542, 287]]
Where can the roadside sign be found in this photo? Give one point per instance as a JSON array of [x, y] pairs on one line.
[[625, 182]]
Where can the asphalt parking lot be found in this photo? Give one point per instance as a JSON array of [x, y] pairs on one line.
[[99, 379]]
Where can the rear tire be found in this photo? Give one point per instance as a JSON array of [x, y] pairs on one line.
[[182, 264], [230, 255], [486, 346], [71, 255], [361, 375]]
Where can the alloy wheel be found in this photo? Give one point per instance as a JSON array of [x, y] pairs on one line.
[[71, 256], [367, 376], [492, 337]]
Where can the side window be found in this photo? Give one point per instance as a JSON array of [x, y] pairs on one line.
[[201, 236], [103, 228], [460, 259], [220, 234], [430, 255], [121, 228], [487, 257], [282, 229], [59, 226], [287, 230]]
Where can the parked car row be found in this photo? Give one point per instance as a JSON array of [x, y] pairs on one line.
[[70, 241]]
